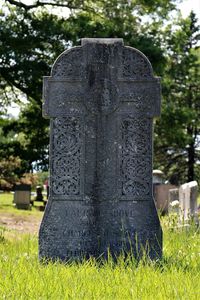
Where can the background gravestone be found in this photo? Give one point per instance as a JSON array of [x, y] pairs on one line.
[[101, 98], [161, 196], [174, 204], [188, 193], [22, 196]]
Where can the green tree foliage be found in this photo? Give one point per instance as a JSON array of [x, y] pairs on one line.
[[32, 37], [8, 171], [29, 46], [177, 145]]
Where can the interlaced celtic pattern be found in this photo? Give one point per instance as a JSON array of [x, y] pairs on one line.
[[135, 65], [102, 97], [135, 167], [70, 65], [66, 156], [142, 98]]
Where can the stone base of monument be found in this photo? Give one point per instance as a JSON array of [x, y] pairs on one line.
[[112, 228], [22, 206]]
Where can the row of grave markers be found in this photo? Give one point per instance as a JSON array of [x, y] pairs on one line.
[[22, 197], [181, 200], [168, 198]]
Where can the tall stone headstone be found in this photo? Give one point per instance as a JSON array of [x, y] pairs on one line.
[[101, 98], [188, 193]]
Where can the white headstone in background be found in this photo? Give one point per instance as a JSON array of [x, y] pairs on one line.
[[188, 194]]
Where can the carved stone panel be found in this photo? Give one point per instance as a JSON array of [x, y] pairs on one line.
[[67, 151], [69, 65], [101, 98], [143, 97], [135, 160], [135, 65]]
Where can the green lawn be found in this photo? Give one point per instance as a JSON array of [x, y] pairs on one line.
[[176, 276], [6, 205]]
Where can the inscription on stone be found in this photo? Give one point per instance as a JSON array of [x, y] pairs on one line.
[[101, 98]]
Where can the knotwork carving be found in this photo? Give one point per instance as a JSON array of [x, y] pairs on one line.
[[135, 136], [135, 65], [102, 97], [135, 166], [70, 65], [142, 98], [66, 156]]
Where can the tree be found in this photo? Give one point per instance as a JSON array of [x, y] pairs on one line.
[[29, 47], [177, 145], [32, 38], [8, 172]]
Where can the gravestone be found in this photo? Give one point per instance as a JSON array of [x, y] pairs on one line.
[[174, 200], [158, 177], [39, 196], [188, 193], [22, 196], [161, 195], [101, 98], [173, 195]]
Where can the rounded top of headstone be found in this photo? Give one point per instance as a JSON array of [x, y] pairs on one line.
[[192, 183], [158, 172], [189, 184], [158, 177], [129, 63], [69, 64]]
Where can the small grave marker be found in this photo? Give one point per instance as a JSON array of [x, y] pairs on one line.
[[22, 196]]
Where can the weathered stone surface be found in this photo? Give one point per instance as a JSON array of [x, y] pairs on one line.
[[161, 195], [174, 200], [158, 177], [22, 196], [188, 193], [173, 194], [101, 98]]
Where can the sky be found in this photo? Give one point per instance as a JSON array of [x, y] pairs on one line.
[[186, 6]]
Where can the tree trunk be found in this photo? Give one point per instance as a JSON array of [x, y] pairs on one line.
[[191, 161]]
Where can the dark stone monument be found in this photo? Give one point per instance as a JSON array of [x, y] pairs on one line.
[[101, 98], [22, 196], [39, 196]]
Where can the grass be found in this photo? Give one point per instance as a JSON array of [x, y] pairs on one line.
[[176, 276], [6, 205]]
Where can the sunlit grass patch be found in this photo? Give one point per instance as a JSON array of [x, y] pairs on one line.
[[176, 276], [7, 206]]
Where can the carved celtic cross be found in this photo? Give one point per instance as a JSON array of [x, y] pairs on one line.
[[101, 98]]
